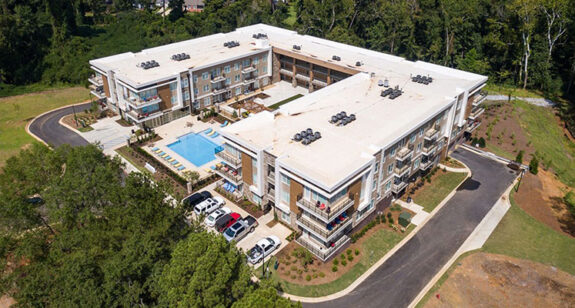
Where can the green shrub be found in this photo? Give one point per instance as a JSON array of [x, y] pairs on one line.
[[481, 142], [349, 258], [342, 256], [519, 157], [293, 268], [334, 269], [349, 252], [357, 252], [344, 262], [569, 200], [314, 275], [388, 214], [390, 219], [287, 273], [321, 274], [335, 262], [534, 165], [299, 272], [293, 277], [308, 277]]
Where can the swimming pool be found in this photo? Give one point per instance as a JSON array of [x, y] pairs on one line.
[[195, 148]]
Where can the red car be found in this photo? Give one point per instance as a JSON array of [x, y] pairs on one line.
[[226, 221]]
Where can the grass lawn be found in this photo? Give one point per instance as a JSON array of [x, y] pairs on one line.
[[431, 194], [491, 146], [514, 91], [285, 101], [372, 249], [16, 111], [547, 137]]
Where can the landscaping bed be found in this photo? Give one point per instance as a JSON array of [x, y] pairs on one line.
[[450, 162], [430, 190], [298, 268], [285, 101], [248, 206]]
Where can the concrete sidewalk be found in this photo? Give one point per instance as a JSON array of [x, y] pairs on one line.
[[420, 214]]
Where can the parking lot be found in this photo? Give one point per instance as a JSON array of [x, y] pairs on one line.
[[261, 231]]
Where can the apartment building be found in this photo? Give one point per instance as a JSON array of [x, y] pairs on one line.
[[326, 162]]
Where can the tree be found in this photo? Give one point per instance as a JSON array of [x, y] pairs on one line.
[[265, 297], [192, 177], [176, 9], [557, 20], [526, 11], [217, 277], [519, 157], [534, 165]]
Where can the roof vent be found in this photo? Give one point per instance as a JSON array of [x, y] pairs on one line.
[[297, 47], [422, 79], [231, 44], [386, 83], [342, 118], [149, 64], [180, 56], [307, 136], [358, 63], [336, 58], [380, 83]]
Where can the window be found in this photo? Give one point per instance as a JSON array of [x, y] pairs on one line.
[[187, 95], [438, 120], [419, 146], [236, 66], [265, 82], [255, 171], [416, 163], [256, 60], [285, 179], [257, 199], [376, 167], [256, 71], [388, 186], [173, 99], [374, 186], [195, 79], [285, 197], [196, 91], [206, 88], [185, 82], [238, 90], [393, 152], [412, 139], [421, 132], [285, 216], [306, 193], [265, 69], [228, 81], [265, 58], [205, 76], [206, 102], [246, 63], [237, 78], [389, 169], [227, 69]]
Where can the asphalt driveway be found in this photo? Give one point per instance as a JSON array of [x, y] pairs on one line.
[[399, 280], [48, 128]]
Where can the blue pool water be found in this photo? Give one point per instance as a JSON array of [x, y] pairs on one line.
[[195, 148]]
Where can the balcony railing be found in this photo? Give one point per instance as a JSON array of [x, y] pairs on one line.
[[228, 158], [396, 188], [286, 72], [230, 176], [320, 229], [217, 79], [271, 193], [140, 117], [322, 253], [431, 134], [302, 77], [97, 91], [335, 209], [217, 91], [271, 176], [479, 98], [319, 82], [476, 113], [425, 165], [249, 79], [138, 102], [404, 152], [96, 80], [429, 149], [401, 170], [249, 69], [471, 127]]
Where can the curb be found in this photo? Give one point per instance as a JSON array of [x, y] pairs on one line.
[[375, 266], [27, 128], [466, 247]]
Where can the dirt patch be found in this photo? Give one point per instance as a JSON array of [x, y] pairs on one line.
[[6, 301], [541, 196], [272, 223], [489, 280], [500, 126]]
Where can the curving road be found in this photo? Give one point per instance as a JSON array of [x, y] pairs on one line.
[[399, 280], [48, 128]]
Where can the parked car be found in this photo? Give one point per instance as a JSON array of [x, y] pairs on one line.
[[192, 200], [263, 248], [240, 229], [209, 205], [226, 221], [210, 221]]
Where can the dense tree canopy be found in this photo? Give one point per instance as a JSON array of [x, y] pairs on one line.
[[77, 232]]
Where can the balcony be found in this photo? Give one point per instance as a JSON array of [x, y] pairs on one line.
[[97, 91], [231, 175], [320, 251], [271, 193], [429, 149], [96, 80], [398, 187], [320, 229], [431, 134], [401, 170], [229, 159], [220, 90], [248, 70], [425, 165], [249, 79], [141, 117], [271, 177], [404, 152], [475, 113], [216, 79], [335, 209], [286, 72], [138, 102], [302, 77], [478, 98], [472, 126], [319, 82]]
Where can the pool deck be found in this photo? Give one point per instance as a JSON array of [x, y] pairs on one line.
[[170, 133]]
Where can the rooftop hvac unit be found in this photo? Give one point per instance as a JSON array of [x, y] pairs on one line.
[[297, 137], [297, 47], [380, 83], [336, 58], [358, 63], [386, 83]]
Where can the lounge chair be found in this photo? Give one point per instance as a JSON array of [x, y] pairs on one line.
[[207, 131], [168, 158], [171, 160], [165, 155], [180, 168], [215, 135], [155, 149], [161, 153], [213, 132], [175, 162], [213, 167], [177, 165], [232, 188], [224, 124], [208, 170]]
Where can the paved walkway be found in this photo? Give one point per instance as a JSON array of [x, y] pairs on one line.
[[543, 102], [420, 214], [452, 169], [107, 132], [47, 128], [399, 279]]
